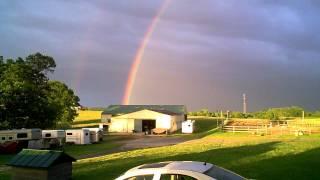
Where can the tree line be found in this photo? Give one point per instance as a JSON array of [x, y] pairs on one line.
[[29, 99], [270, 113]]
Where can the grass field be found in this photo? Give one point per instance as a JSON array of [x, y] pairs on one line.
[[257, 157], [107, 146], [87, 119], [88, 115]]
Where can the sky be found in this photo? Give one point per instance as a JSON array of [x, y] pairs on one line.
[[203, 54]]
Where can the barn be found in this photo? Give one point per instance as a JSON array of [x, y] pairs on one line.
[[143, 118]]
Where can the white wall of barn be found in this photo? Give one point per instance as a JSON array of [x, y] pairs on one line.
[[133, 121]]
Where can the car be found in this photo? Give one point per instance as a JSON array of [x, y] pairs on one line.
[[179, 170]]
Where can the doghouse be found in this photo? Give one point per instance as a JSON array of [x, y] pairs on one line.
[[41, 165]]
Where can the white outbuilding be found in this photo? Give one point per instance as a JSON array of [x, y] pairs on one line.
[[188, 126]]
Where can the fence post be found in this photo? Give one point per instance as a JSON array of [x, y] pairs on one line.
[[233, 129], [266, 129]]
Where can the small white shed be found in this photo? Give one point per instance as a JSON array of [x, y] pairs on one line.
[[188, 126], [78, 136], [96, 134]]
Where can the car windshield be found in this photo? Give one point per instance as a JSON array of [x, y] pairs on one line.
[[154, 165]]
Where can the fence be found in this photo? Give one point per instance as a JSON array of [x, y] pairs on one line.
[[250, 129]]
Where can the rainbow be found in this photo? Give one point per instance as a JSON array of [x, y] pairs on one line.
[[139, 54]]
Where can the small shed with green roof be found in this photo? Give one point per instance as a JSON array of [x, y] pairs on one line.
[[41, 165], [143, 118]]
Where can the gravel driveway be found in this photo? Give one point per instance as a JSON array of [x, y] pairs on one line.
[[150, 141]]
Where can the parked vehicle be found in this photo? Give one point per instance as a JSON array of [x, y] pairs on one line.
[[78, 136], [53, 138], [19, 135], [12, 141], [96, 134], [179, 170]]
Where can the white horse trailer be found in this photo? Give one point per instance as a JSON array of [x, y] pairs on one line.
[[53, 137], [31, 136], [96, 134], [20, 135], [188, 126], [78, 136]]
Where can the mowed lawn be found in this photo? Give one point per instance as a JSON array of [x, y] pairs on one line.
[[257, 157], [87, 119]]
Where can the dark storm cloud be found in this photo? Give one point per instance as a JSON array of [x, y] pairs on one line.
[[207, 52]]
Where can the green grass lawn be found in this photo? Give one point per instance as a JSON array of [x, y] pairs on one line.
[[3, 169], [257, 157], [109, 144]]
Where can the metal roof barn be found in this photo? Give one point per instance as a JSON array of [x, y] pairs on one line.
[[144, 118]]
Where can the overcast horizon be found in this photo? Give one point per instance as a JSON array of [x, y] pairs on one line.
[[201, 54]]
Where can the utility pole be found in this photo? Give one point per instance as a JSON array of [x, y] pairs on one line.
[[244, 103]]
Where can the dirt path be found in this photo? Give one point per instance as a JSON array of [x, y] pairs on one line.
[[148, 142]]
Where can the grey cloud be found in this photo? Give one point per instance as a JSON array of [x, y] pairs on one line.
[[202, 53]]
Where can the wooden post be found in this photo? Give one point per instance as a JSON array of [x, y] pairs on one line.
[[266, 129], [217, 122], [233, 129]]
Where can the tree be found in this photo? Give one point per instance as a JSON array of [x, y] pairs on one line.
[[27, 96], [237, 114], [64, 100]]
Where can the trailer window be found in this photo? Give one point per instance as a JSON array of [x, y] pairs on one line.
[[3, 138], [22, 135], [86, 134], [10, 138], [48, 135], [69, 134]]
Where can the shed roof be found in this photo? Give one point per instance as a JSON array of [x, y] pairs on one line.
[[39, 158], [125, 109]]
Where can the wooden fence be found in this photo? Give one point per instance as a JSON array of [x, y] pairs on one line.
[[250, 129]]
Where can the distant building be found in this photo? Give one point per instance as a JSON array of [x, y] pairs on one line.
[[143, 118], [41, 165]]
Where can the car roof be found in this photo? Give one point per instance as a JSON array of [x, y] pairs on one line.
[[195, 166]]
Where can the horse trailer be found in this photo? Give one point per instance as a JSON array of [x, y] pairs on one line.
[[78, 136], [96, 134], [53, 138], [20, 135], [14, 140]]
